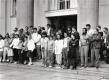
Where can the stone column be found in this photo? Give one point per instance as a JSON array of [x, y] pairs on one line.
[[25, 13], [87, 13], [3, 17]]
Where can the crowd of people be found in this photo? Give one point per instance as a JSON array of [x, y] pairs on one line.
[[62, 48]]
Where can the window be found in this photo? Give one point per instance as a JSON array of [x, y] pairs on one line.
[[13, 8], [64, 4], [68, 4]]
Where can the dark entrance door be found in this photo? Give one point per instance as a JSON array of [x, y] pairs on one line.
[[63, 21]]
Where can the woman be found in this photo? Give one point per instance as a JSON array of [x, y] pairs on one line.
[[72, 55]]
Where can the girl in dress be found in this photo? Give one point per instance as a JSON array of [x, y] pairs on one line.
[[58, 50], [31, 47]]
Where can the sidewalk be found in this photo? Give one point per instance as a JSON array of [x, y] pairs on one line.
[[103, 71]]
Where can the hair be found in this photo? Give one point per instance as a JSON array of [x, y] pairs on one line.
[[7, 34], [48, 25], [106, 28], [88, 25], [35, 29], [85, 31], [99, 26], [1, 36]]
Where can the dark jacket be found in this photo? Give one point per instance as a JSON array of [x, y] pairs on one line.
[[96, 41], [77, 37]]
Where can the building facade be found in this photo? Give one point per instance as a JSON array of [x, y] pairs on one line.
[[21, 13]]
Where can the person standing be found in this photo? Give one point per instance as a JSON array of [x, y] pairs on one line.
[[44, 47], [77, 37], [37, 40], [51, 51], [30, 47], [106, 44], [1, 47], [65, 49], [84, 46], [72, 55], [58, 50], [6, 48], [15, 47], [95, 48]]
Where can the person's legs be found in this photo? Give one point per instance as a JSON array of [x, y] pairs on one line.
[[86, 49], [30, 57], [43, 56], [50, 56], [97, 56], [82, 55], [5, 53], [16, 56], [64, 57], [92, 56], [46, 57], [38, 48], [1, 54]]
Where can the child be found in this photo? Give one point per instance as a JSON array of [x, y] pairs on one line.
[[6, 48], [20, 51], [51, 49], [31, 47], [58, 50], [65, 50], [1, 47], [25, 50], [72, 55], [44, 46], [14, 45]]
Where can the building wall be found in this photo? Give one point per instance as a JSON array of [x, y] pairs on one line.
[[104, 13], [7, 23], [3, 19], [40, 6]]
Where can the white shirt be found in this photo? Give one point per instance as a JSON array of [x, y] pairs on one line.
[[65, 42], [58, 46], [15, 43], [1, 45], [48, 32], [31, 45], [90, 32], [36, 38]]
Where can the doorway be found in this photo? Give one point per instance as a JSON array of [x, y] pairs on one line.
[[62, 22]]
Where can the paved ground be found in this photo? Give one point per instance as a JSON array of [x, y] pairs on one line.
[[36, 72]]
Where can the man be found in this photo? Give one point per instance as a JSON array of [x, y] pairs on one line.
[[48, 29], [106, 44], [90, 31], [102, 43], [95, 48], [37, 40], [89, 34], [15, 31]]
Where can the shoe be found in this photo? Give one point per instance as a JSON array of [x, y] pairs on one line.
[[85, 66], [50, 66], [58, 67], [30, 63], [97, 67], [15, 62]]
